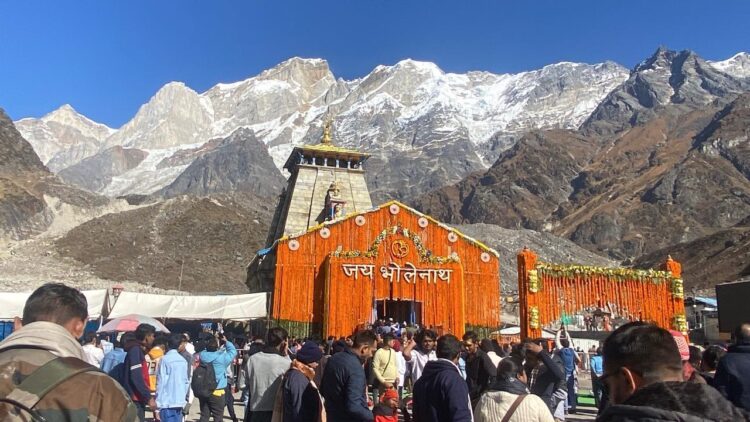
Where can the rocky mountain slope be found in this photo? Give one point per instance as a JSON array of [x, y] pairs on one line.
[[25, 183], [209, 240], [681, 80], [673, 177], [720, 257], [421, 124], [239, 163], [549, 248], [96, 172], [22, 210]]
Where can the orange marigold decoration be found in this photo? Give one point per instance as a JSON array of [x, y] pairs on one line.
[[547, 292]]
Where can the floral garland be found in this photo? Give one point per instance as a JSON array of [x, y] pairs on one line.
[[620, 274], [425, 255]]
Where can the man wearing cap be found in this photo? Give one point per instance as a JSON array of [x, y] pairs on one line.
[[688, 371], [301, 398]]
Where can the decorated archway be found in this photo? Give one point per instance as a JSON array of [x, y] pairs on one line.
[[550, 293]]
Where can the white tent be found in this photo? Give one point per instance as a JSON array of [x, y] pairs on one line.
[[11, 304], [236, 307]]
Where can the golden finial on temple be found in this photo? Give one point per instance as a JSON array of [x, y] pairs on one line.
[[327, 136]]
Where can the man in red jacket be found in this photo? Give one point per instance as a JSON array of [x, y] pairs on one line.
[[136, 380]]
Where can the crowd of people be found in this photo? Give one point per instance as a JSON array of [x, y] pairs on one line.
[[640, 372]]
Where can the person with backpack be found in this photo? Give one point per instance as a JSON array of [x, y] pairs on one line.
[[172, 381], [49, 376], [210, 379]]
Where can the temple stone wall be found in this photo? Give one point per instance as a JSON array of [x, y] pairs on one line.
[[308, 190]]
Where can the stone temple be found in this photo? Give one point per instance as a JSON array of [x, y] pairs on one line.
[[333, 262]]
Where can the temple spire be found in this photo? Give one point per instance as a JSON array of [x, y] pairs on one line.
[[327, 136]]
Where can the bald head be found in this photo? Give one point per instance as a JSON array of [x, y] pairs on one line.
[[742, 334]]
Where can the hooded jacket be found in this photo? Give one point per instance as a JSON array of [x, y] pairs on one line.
[[89, 396], [441, 394], [674, 401], [732, 377]]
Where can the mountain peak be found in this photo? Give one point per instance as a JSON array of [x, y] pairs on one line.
[[63, 110], [418, 65], [737, 65], [295, 64], [67, 115]]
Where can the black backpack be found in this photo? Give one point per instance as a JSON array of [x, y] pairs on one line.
[[204, 380]]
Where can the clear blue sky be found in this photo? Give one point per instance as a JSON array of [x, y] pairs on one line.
[[106, 58]]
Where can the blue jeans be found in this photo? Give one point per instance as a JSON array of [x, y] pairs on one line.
[[572, 398], [171, 415]]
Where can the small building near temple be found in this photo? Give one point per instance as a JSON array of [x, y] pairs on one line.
[[335, 263]]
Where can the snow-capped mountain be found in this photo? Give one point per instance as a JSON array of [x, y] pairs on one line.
[[63, 137], [737, 65], [667, 78], [420, 123], [415, 119]]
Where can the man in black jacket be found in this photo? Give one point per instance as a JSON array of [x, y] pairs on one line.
[[441, 394], [480, 371], [544, 372], [643, 373], [344, 384], [732, 377]]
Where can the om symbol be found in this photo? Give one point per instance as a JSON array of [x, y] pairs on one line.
[[399, 248]]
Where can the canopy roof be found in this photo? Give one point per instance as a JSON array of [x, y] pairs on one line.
[[11, 304], [237, 307]]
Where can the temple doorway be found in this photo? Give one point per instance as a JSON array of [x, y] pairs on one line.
[[400, 310]]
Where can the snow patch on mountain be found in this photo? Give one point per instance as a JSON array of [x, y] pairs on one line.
[[737, 65], [63, 137]]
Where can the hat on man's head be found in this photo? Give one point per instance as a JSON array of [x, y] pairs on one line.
[[390, 393], [309, 353], [682, 344]]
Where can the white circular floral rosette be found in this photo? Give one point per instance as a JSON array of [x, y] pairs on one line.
[[325, 233], [360, 220], [293, 245]]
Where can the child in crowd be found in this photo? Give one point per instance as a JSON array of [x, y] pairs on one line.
[[387, 409]]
